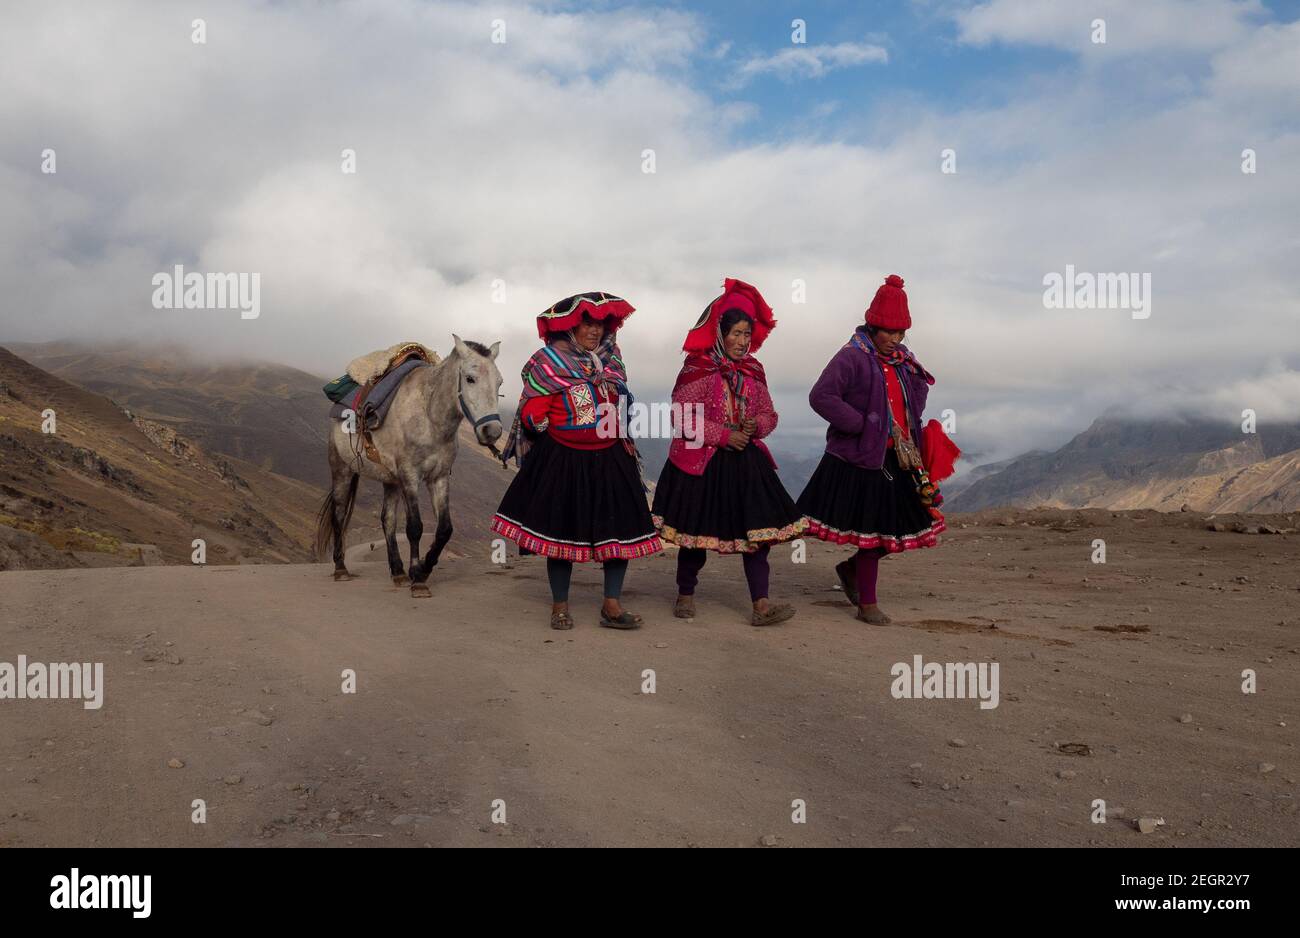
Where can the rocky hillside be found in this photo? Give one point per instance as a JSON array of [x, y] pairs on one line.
[[110, 487]]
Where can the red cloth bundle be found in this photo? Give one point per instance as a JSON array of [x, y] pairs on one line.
[[938, 452]]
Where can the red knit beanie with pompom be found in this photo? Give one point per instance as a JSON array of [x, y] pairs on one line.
[[888, 309]]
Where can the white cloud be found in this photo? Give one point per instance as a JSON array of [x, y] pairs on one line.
[[1273, 393], [1189, 25], [810, 61], [1263, 71]]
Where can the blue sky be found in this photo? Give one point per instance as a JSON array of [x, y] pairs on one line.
[[928, 64], [925, 62]]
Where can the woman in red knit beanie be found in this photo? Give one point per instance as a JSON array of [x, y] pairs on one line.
[[871, 490]]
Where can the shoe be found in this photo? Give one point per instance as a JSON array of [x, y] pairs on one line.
[[775, 613], [625, 620], [684, 608], [875, 618]]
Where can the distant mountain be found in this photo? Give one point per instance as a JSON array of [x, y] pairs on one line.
[[110, 487], [965, 479], [271, 415], [1121, 463]]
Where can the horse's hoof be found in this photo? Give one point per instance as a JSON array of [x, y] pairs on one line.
[[400, 580], [420, 591], [343, 575]]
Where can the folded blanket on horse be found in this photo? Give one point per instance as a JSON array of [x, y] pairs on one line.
[[365, 369], [372, 407]]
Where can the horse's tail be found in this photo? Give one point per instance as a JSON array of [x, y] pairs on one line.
[[329, 528]]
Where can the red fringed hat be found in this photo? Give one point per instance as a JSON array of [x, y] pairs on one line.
[[888, 309], [736, 294], [567, 313]]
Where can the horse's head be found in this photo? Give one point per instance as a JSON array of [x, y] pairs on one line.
[[479, 384]]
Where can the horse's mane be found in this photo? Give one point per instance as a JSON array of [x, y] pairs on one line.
[[478, 347]]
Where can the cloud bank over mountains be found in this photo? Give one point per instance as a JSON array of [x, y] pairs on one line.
[[486, 169]]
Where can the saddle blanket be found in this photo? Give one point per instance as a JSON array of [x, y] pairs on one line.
[[374, 408]]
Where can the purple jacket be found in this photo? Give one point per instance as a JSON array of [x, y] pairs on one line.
[[850, 396]]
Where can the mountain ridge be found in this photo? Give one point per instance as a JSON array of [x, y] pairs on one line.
[[1123, 463]]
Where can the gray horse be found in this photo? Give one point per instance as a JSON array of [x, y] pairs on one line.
[[416, 443]]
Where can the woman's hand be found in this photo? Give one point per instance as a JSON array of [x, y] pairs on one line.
[[738, 440], [749, 425]]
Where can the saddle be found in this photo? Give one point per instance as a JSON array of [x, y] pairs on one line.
[[369, 372]]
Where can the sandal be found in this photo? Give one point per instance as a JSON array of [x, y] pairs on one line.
[[847, 572], [561, 620], [624, 620], [684, 608], [778, 612]]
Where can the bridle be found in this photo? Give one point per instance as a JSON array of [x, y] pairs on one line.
[[475, 424], [464, 408]]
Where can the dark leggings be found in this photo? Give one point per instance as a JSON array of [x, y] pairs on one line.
[[690, 561], [868, 567], [559, 572]]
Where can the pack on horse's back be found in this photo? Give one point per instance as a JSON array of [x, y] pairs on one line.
[[369, 385]]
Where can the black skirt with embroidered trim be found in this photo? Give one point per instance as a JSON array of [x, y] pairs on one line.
[[736, 505], [846, 504], [578, 504]]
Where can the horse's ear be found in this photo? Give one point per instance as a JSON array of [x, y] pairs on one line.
[[492, 352], [459, 345]]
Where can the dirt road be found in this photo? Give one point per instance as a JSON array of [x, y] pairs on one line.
[[468, 698]]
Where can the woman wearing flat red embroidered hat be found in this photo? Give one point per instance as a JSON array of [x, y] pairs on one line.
[[579, 495], [872, 489], [719, 489]]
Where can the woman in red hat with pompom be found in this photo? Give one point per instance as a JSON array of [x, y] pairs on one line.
[[579, 495], [875, 486], [719, 489]]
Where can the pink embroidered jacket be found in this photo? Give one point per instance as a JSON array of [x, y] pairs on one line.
[[712, 391]]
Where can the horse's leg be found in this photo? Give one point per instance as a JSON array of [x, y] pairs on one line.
[[344, 494], [388, 517], [414, 531], [440, 496]]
